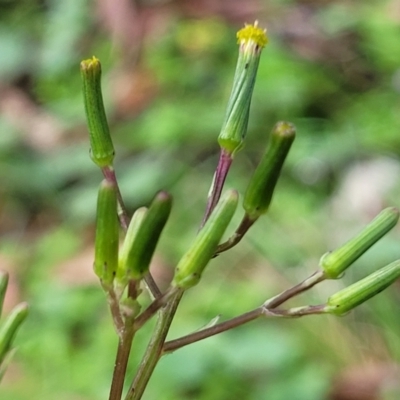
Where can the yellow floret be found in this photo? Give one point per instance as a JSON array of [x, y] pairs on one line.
[[253, 33]]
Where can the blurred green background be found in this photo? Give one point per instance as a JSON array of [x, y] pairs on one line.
[[331, 67]]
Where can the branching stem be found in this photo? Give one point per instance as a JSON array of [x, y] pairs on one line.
[[266, 310]]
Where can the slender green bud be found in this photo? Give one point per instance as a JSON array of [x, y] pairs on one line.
[[251, 40], [10, 326], [262, 184], [352, 296], [102, 148], [191, 266], [107, 233], [3, 288], [130, 237], [137, 256], [336, 262]]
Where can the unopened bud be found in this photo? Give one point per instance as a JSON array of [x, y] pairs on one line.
[[9, 327], [130, 237], [336, 262], [192, 264], [139, 250], [107, 233], [251, 40], [102, 148], [262, 184], [352, 296]]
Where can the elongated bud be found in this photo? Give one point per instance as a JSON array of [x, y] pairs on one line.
[[190, 267], [10, 326], [336, 262], [102, 148], [3, 288], [137, 256], [251, 40], [130, 237], [352, 296], [107, 233], [262, 184]]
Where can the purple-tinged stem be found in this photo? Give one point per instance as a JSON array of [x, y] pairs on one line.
[[221, 172]]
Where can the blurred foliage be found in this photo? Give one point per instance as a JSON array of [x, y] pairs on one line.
[[331, 68]]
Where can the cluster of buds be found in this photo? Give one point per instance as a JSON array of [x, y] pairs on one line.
[[334, 264], [119, 268]]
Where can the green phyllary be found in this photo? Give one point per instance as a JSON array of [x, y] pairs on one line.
[[336, 262], [107, 233], [130, 237], [262, 184], [142, 241], [191, 266], [101, 146], [9, 327], [251, 40], [357, 293]]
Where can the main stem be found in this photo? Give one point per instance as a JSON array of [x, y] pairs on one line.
[[121, 362], [154, 348]]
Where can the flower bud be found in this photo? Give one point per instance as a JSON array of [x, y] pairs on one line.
[[251, 40], [102, 148], [139, 250], [130, 237], [262, 184], [3, 288], [336, 262], [191, 266], [352, 296], [9, 327], [107, 233]]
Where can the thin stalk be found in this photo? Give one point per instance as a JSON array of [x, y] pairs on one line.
[[244, 226], [154, 349], [221, 172], [267, 309], [121, 362], [297, 311], [301, 287], [241, 320], [109, 174], [155, 306], [113, 303], [213, 330]]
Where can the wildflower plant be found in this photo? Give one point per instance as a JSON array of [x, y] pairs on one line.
[[124, 272]]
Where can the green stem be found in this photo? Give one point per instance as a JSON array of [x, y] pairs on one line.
[[121, 362], [155, 306], [307, 284], [113, 303], [154, 348], [266, 310], [213, 330], [244, 226]]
